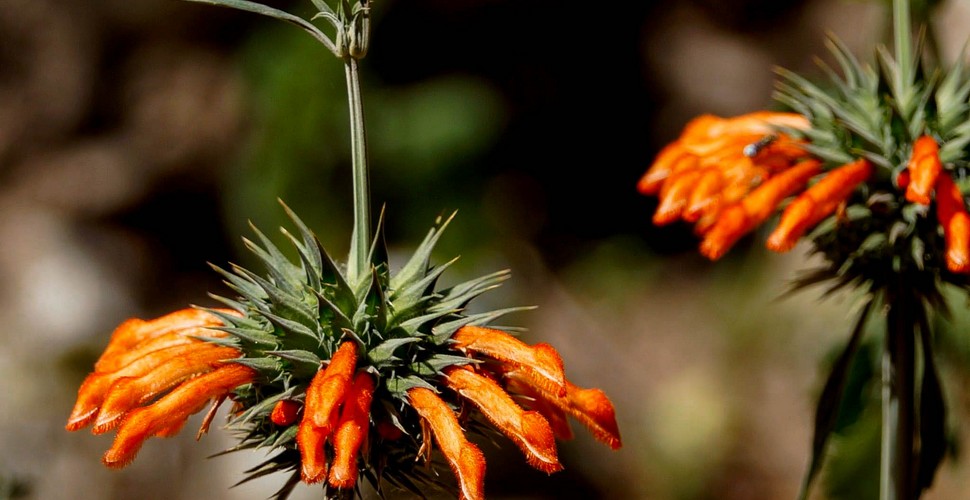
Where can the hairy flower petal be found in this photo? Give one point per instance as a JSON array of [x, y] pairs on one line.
[[465, 459], [739, 219], [952, 214], [135, 331], [172, 409], [924, 167], [590, 406], [351, 432], [540, 359], [285, 412], [817, 203], [528, 430], [128, 392], [324, 395]]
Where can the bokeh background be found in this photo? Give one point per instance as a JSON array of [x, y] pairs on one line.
[[138, 139]]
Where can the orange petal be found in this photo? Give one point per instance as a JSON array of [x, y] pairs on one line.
[[172, 410], [96, 387], [134, 331], [324, 395], [553, 414], [924, 167], [164, 341], [541, 359], [705, 196], [528, 430], [666, 163], [128, 392], [351, 432], [285, 412], [817, 203], [951, 212], [465, 459], [674, 196], [737, 220], [590, 406]]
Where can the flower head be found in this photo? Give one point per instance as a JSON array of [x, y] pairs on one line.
[[343, 379]]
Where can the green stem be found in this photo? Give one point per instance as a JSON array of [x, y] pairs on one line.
[[903, 39], [357, 263], [898, 458]]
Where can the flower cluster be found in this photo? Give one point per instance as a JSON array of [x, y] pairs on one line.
[[342, 380]]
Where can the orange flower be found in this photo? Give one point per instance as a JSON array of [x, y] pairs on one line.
[[285, 412], [351, 432], [145, 360], [924, 167], [817, 203], [730, 175], [951, 212], [716, 162], [464, 458], [326, 392]]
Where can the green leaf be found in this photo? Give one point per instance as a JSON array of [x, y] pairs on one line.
[[304, 362], [401, 385], [827, 411], [417, 265], [259, 364], [265, 10], [444, 331], [256, 337], [384, 352]]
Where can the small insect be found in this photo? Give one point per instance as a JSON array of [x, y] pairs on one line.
[[752, 150]]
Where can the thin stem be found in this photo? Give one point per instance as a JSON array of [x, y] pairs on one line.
[[357, 263], [903, 39], [898, 459]]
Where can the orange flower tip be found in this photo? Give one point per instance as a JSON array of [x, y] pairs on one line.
[[713, 249], [470, 471], [667, 213], [310, 442], [341, 480], [649, 184], [285, 412], [957, 263], [916, 197], [540, 443], [117, 460], [81, 418]]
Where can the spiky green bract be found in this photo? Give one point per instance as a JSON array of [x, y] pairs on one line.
[[296, 314], [891, 249], [876, 114]]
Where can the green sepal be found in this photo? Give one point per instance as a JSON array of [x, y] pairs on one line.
[[417, 265], [303, 363], [249, 335], [259, 364], [241, 285], [459, 295], [383, 355], [434, 365], [400, 385], [442, 332], [284, 303]]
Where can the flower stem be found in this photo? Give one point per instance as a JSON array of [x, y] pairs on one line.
[[897, 465], [357, 263], [903, 40]]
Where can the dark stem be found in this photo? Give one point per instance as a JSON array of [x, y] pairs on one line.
[[899, 375]]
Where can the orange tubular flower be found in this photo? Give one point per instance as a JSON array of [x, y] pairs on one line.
[[737, 220], [541, 359], [464, 458], [136, 367], [924, 167], [817, 203], [169, 413], [285, 412], [326, 392], [529, 430], [351, 432], [952, 215]]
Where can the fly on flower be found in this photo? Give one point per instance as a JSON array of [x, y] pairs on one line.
[[868, 169]]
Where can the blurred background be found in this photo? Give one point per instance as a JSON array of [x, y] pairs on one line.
[[138, 139]]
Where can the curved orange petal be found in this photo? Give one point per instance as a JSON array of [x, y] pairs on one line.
[[135, 331], [591, 407], [706, 195], [528, 430], [465, 459], [817, 203], [540, 359], [128, 392], [285, 412], [737, 220], [324, 395], [351, 432], [171, 410], [924, 168], [164, 341], [951, 212]]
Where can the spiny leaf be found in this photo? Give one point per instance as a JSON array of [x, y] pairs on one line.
[[444, 331], [259, 364], [418, 263], [275, 13], [384, 352], [826, 414]]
